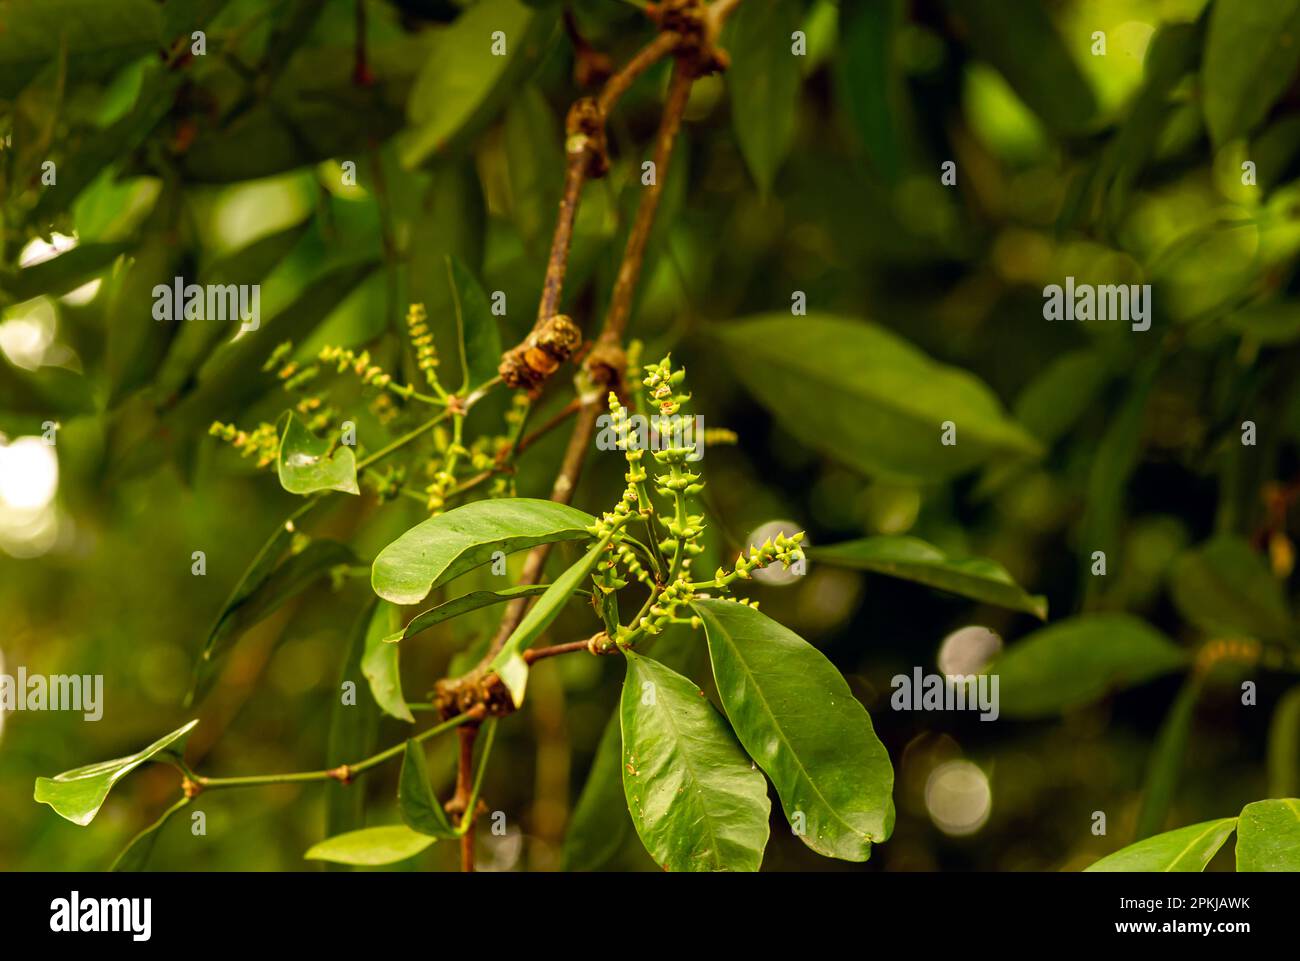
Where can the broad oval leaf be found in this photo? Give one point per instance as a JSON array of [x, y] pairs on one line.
[[1251, 52], [763, 81], [1078, 660], [861, 395], [509, 662], [415, 798], [464, 79], [913, 559], [1224, 587], [444, 547], [78, 794], [135, 856], [697, 802], [1268, 836], [308, 463], [380, 663], [463, 605], [371, 846], [796, 716], [1187, 849]]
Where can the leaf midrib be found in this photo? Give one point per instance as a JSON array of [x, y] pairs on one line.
[[807, 776]]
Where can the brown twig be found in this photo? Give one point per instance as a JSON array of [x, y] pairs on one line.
[[464, 789]]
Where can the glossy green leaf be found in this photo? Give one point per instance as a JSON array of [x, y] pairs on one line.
[[763, 81], [509, 662], [1224, 587], [444, 547], [1284, 746], [1166, 762], [308, 463], [861, 395], [1078, 660], [463, 81], [371, 846], [1268, 836], [1251, 54], [98, 37], [695, 798], [463, 605], [78, 794], [480, 341], [1020, 40], [380, 663], [135, 856], [1186, 849], [913, 559], [420, 808], [871, 79], [797, 718], [600, 822]]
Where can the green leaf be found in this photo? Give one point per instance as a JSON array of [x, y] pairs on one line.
[[913, 559], [1251, 53], [797, 718], [135, 856], [1076, 661], [600, 822], [371, 846], [420, 808], [444, 547], [353, 730], [535, 163], [509, 662], [763, 81], [306, 463], [859, 394], [871, 78], [695, 798], [78, 794], [1266, 323], [1284, 746], [1224, 587], [463, 605], [1061, 393], [480, 341], [1187, 849], [462, 82], [314, 111], [255, 600], [1268, 836], [99, 37], [1020, 40], [1166, 762], [380, 663]]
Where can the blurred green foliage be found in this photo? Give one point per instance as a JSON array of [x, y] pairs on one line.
[[1171, 159]]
